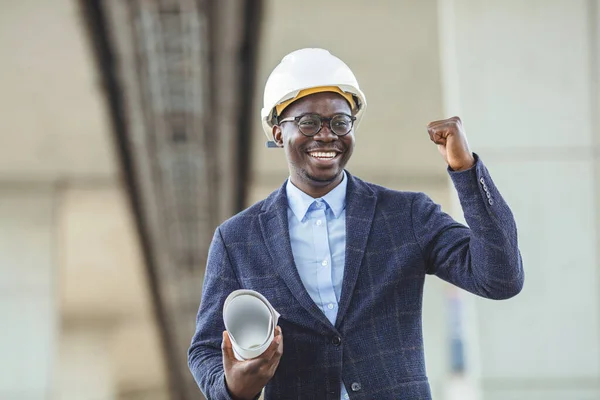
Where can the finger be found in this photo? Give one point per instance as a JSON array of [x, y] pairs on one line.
[[227, 349], [437, 137], [453, 120], [272, 349], [436, 123], [279, 337], [444, 129], [439, 124], [432, 135], [274, 361], [270, 352], [437, 129], [279, 349]]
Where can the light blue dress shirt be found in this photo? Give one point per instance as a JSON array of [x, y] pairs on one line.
[[318, 237]]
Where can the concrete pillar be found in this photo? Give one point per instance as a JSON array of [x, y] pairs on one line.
[[69, 263], [86, 366], [524, 75], [28, 317]]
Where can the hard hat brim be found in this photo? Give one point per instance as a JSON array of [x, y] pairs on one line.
[[267, 115]]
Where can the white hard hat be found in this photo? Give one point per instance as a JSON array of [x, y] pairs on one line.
[[305, 69]]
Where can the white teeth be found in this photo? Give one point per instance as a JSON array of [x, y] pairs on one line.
[[321, 154]]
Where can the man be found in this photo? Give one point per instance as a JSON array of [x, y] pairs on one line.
[[342, 260]]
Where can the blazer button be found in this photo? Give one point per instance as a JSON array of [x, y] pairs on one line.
[[355, 387], [336, 340]]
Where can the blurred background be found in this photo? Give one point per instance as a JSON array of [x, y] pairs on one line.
[[129, 129]]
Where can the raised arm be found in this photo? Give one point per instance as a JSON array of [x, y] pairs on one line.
[[483, 258]]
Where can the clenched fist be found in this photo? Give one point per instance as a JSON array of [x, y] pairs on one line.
[[451, 141]]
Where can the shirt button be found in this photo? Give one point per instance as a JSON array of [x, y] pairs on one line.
[[355, 387], [324, 263], [319, 222], [346, 396], [330, 306]]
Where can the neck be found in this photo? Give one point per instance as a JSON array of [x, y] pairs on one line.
[[316, 189]]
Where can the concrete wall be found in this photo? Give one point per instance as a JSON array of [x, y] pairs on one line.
[[524, 75]]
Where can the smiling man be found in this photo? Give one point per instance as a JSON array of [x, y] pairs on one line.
[[343, 260]]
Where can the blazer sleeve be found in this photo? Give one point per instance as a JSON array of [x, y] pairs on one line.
[[483, 258], [204, 355]]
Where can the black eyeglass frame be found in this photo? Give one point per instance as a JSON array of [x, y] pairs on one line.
[[321, 119]]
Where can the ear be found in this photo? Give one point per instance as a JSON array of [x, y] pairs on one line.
[[278, 135]]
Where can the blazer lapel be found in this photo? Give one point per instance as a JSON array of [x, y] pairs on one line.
[[275, 232], [360, 210]]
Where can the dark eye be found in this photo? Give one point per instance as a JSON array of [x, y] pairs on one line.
[[341, 121], [308, 122]]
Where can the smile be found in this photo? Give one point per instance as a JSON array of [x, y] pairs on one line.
[[323, 155]]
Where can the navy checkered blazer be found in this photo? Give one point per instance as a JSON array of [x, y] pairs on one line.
[[393, 239]]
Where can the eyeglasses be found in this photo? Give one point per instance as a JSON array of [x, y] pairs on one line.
[[311, 124]]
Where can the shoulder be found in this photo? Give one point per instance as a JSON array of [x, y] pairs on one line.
[[390, 198], [243, 219], [246, 220]]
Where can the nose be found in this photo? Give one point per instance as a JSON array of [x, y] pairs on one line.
[[325, 134]]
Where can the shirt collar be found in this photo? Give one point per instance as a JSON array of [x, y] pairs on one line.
[[299, 202]]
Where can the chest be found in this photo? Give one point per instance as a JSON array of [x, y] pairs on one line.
[[318, 239], [391, 261]]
